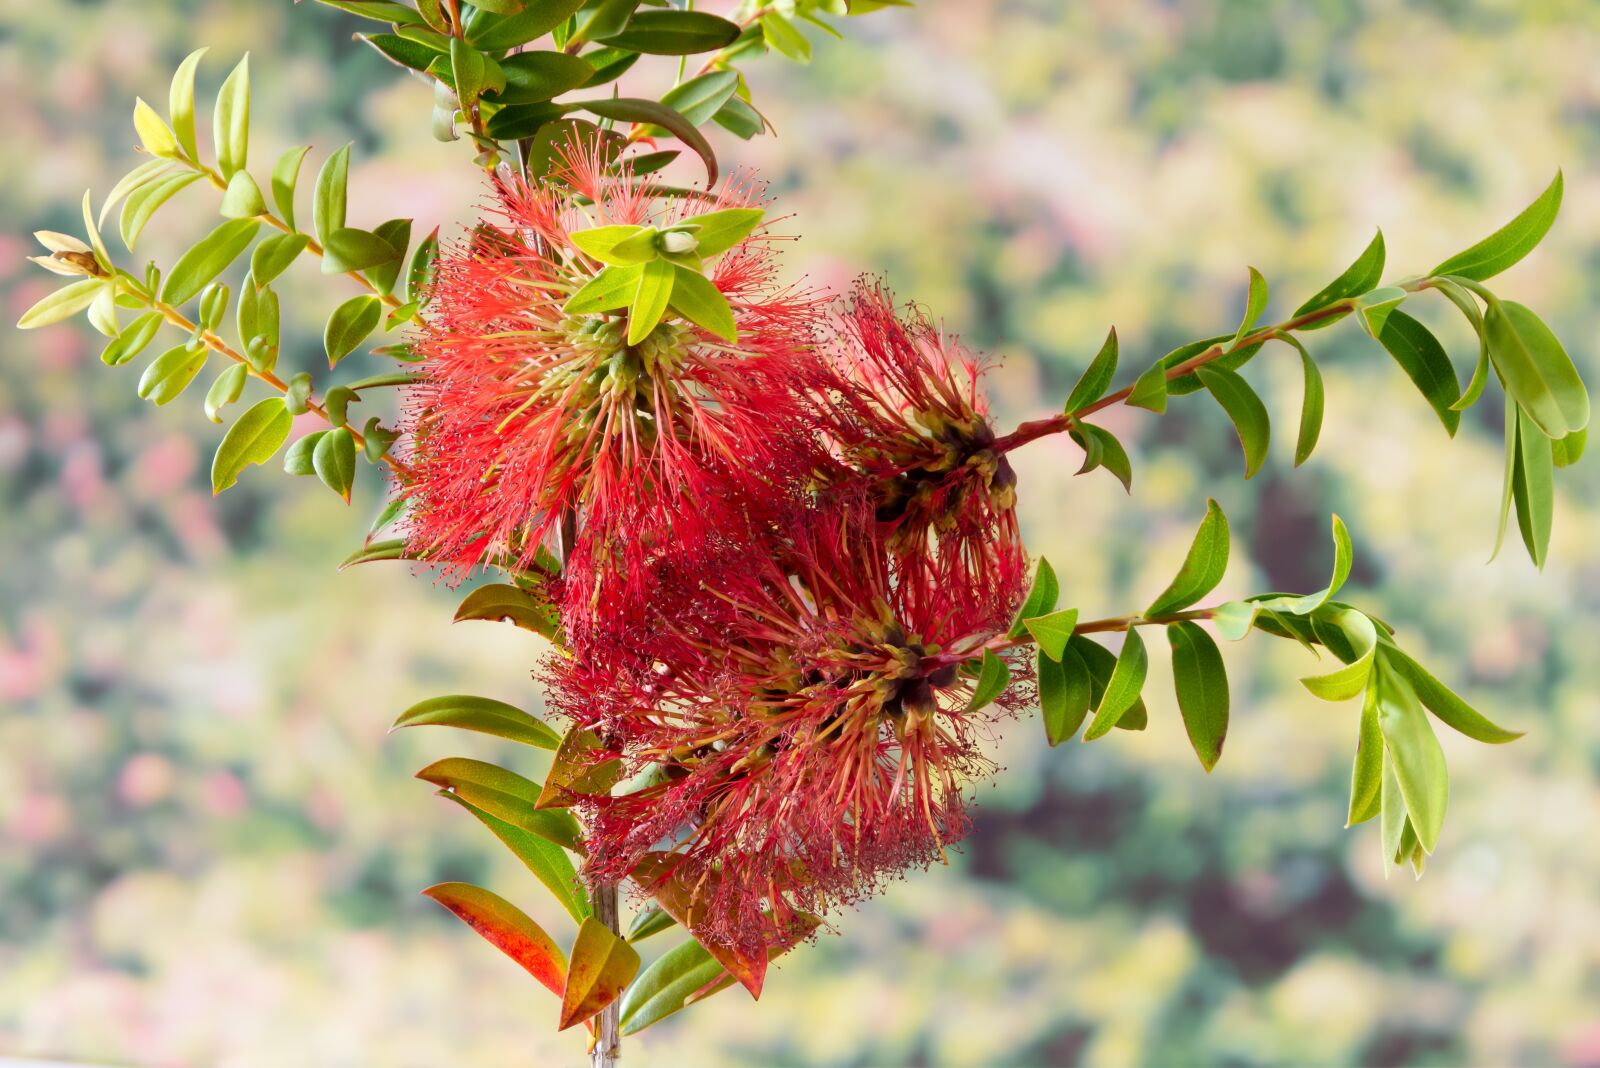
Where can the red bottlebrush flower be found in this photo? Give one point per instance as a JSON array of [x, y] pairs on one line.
[[911, 417], [529, 420], [806, 730]]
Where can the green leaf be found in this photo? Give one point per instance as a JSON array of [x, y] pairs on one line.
[[498, 33], [1445, 703], [1053, 630], [1535, 368], [274, 255], [629, 109], [1311, 407], [1361, 276], [682, 975], [1096, 378], [1122, 690], [1423, 359], [253, 439], [350, 324], [601, 243], [334, 460], [154, 134], [1346, 682], [1234, 619], [225, 390], [1065, 691], [285, 175], [1150, 390], [740, 119], [143, 202], [1042, 596], [1569, 450], [652, 921], [1533, 489], [1249, 415], [396, 233], [650, 299], [1231, 359], [502, 602], [718, 231], [232, 133], [468, 68], [1414, 752], [170, 373], [1201, 682], [581, 768], [1343, 559], [298, 461], [674, 33], [382, 10], [258, 314], [535, 77], [602, 966], [180, 103], [1375, 307], [64, 303], [414, 55], [696, 299], [785, 39], [196, 268], [1513, 422], [242, 199], [350, 249], [508, 929], [483, 715], [517, 122], [1511, 242], [698, 99], [146, 173], [1392, 821], [1366, 774], [328, 203], [424, 263], [993, 678], [1255, 303], [609, 290], [547, 861], [506, 796], [1202, 569], [1102, 449], [603, 18], [133, 339]]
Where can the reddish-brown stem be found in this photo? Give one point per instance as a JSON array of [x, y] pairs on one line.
[[1055, 424]]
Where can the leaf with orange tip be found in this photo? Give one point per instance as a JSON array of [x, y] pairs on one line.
[[677, 898], [508, 929], [602, 967]]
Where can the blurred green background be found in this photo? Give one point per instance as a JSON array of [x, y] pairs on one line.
[[210, 852]]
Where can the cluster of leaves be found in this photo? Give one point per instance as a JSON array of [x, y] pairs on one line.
[[1399, 772], [503, 69], [1547, 406], [375, 260]]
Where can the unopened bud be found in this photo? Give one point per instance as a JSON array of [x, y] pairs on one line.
[[678, 242]]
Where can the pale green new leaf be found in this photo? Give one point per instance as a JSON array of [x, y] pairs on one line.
[[253, 439], [1203, 566]]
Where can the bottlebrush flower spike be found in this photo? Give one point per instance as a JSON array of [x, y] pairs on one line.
[[529, 419], [910, 415], [807, 731]]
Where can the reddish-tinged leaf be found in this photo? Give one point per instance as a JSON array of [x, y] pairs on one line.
[[602, 967], [581, 769], [508, 929], [655, 873]]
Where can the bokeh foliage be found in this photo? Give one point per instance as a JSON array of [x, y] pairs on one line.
[[212, 852]]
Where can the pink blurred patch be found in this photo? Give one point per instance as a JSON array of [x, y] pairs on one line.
[[145, 779], [223, 794], [164, 466], [39, 819]]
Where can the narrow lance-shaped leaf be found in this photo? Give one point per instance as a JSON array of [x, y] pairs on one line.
[[482, 714], [1041, 598], [232, 133], [1201, 681], [1535, 368], [1359, 277], [1343, 559], [1424, 361], [1122, 689], [180, 103], [328, 203], [508, 929], [1414, 751], [196, 268], [285, 176], [500, 601], [1310, 407], [505, 795], [548, 862], [1203, 566], [1444, 703], [1511, 242], [1255, 303], [1097, 377], [1245, 409], [1366, 774], [1533, 489]]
